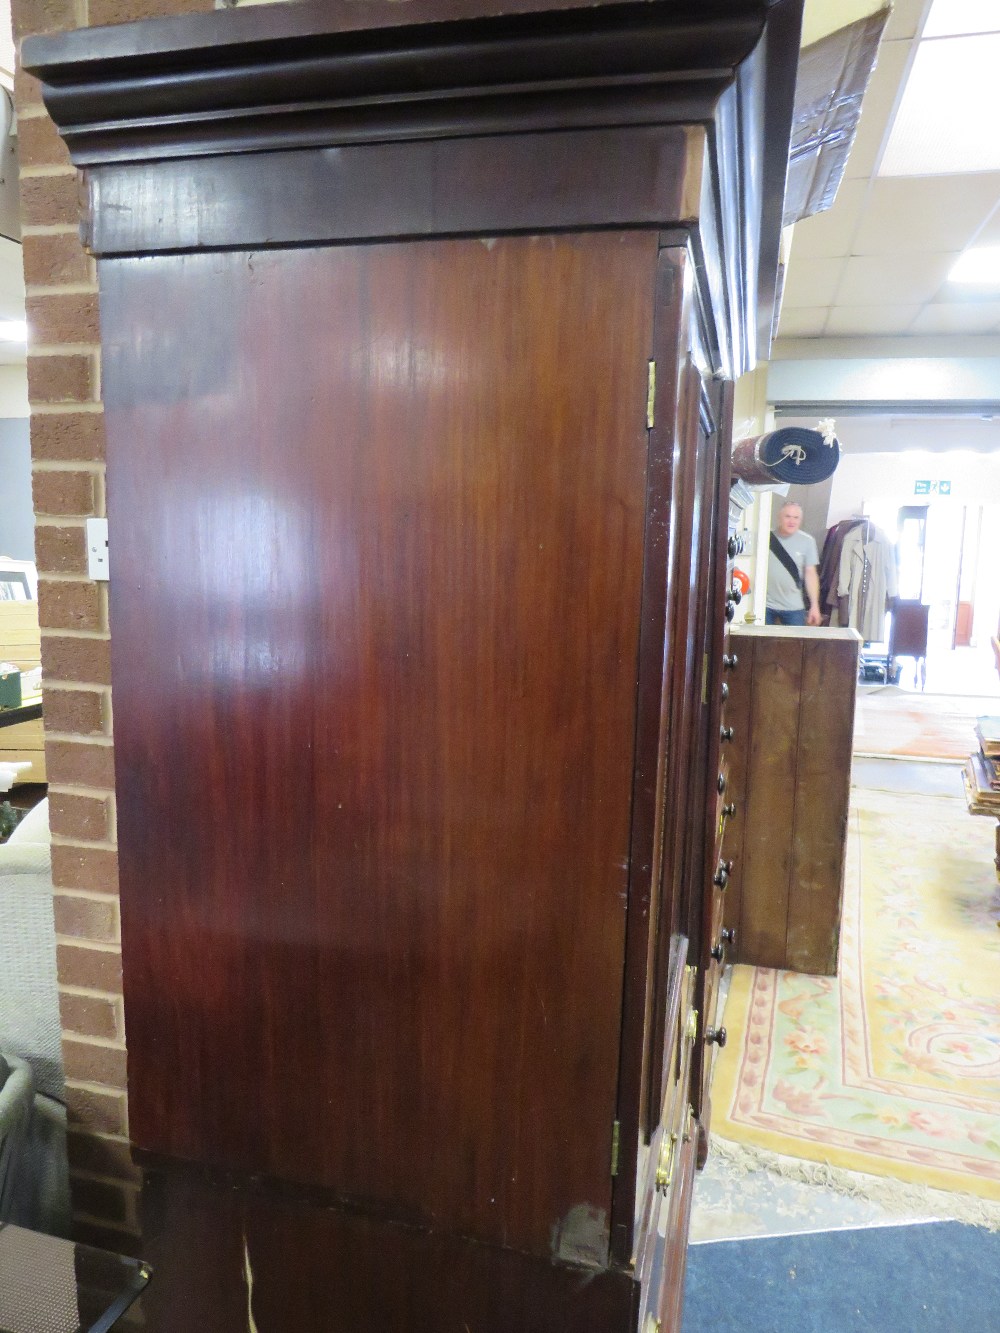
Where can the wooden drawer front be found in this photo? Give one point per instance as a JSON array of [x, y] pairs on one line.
[[663, 1286], [672, 1166]]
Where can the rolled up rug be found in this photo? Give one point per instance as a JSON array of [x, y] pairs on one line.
[[789, 454]]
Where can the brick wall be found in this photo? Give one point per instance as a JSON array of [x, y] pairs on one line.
[[67, 441]]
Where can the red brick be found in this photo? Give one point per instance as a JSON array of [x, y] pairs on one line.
[[127, 11], [102, 1156], [27, 89], [55, 317], [61, 379], [60, 493], [52, 261], [80, 712], [86, 660], [68, 605], [50, 201], [90, 969], [86, 1062], [75, 816], [100, 1111], [68, 437], [32, 16], [39, 144], [93, 869], [60, 550], [77, 764], [86, 918], [89, 1015]]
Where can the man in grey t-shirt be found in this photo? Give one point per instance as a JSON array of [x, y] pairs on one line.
[[785, 604]]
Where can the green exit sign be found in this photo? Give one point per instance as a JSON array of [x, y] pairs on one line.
[[932, 488]]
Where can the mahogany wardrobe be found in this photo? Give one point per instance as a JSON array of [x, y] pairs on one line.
[[419, 323]]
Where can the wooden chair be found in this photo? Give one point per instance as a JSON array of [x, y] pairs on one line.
[[908, 636]]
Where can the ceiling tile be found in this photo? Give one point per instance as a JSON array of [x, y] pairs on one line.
[[947, 118], [937, 318], [811, 282], [925, 213], [990, 234], [877, 107], [948, 18], [828, 235], [851, 320], [898, 279], [805, 322]]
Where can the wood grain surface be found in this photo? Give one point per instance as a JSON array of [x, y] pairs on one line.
[[375, 605]]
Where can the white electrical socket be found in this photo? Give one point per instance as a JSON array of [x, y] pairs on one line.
[[97, 548]]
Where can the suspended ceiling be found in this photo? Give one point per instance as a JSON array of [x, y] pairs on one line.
[[877, 262]]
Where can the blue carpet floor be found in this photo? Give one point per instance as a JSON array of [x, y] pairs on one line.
[[934, 1277]]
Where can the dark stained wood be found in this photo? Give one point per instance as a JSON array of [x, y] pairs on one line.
[[615, 177], [642, 1000], [184, 107], [737, 713], [403, 582], [222, 1251], [822, 794], [767, 852], [376, 596], [267, 82], [707, 899]]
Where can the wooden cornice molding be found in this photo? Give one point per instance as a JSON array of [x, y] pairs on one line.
[[347, 120], [339, 72]]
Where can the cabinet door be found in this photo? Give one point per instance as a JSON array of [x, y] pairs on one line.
[[376, 579]]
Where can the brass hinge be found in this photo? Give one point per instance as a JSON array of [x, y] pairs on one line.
[[651, 395], [615, 1135]]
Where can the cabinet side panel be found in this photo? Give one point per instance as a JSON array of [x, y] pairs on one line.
[[229, 1259], [822, 792], [767, 842], [376, 578]]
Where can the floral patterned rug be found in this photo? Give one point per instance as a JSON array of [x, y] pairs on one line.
[[900, 724], [892, 1068]]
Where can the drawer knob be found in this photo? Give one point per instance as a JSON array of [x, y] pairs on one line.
[[729, 810], [735, 596], [728, 935], [721, 784], [726, 733], [730, 661], [717, 1035], [718, 951], [730, 611], [725, 691], [732, 548], [721, 877]]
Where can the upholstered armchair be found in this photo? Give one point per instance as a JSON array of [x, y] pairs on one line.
[[37, 1194]]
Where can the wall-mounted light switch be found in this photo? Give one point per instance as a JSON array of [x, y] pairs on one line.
[[97, 548]]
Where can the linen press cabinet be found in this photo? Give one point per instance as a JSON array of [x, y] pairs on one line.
[[418, 327]]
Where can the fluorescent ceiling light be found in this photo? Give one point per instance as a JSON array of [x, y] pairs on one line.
[[956, 18], [948, 116], [13, 331], [980, 265]]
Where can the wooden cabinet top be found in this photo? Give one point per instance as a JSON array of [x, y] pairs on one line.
[[336, 121]]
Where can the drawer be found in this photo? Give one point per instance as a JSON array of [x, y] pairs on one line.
[[663, 1281]]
